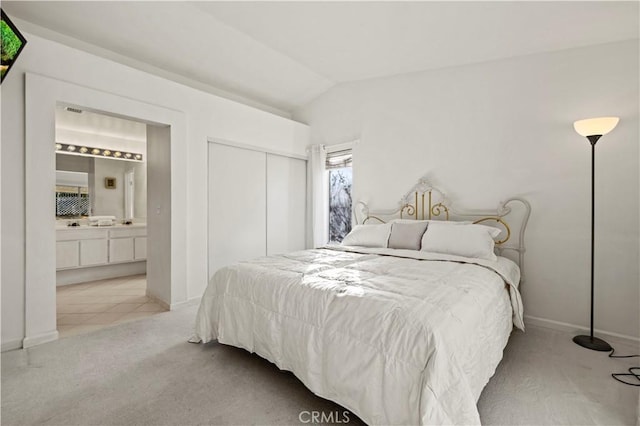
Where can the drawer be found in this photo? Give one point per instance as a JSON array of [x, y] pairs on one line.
[[129, 232], [81, 234]]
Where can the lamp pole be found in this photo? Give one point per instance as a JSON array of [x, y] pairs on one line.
[[591, 342], [593, 129], [593, 140]]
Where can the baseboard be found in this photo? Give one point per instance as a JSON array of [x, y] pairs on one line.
[[157, 300], [102, 272], [39, 339], [191, 301], [573, 328], [172, 306], [11, 345]]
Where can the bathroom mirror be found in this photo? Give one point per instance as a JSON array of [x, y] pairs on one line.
[[110, 155], [81, 189]]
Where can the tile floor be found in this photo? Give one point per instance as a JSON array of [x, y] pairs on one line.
[[82, 308]]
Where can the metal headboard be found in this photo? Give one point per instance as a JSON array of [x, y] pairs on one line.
[[425, 202]]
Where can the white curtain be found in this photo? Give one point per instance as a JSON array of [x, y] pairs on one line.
[[318, 199]]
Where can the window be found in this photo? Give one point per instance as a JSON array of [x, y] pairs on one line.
[[340, 202], [72, 201]]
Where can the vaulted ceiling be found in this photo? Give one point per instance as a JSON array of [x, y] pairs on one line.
[[284, 54]]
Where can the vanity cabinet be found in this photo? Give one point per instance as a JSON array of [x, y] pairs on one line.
[[83, 247], [127, 244]]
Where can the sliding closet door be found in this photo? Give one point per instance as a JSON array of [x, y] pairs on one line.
[[286, 204], [237, 199]]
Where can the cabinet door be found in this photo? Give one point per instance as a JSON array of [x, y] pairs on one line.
[[237, 203], [93, 252], [67, 254], [140, 248], [286, 204], [121, 250]]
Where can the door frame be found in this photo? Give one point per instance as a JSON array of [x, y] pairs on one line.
[[42, 94]]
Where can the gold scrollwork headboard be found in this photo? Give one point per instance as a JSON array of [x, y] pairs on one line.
[[411, 206], [425, 202], [419, 211]]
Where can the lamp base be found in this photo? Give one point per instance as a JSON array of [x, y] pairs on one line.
[[592, 343]]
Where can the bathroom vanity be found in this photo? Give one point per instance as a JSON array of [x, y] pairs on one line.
[[100, 252]]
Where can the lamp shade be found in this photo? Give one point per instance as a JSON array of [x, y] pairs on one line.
[[595, 126]]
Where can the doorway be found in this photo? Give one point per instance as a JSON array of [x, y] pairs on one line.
[[166, 264], [101, 232]]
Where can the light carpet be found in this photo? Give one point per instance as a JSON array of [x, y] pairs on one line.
[[145, 373]]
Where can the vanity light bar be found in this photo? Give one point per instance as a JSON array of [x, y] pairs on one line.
[[88, 151]]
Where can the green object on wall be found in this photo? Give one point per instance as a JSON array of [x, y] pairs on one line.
[[12, 44]]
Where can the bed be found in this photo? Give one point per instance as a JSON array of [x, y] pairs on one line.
[[396, 335]]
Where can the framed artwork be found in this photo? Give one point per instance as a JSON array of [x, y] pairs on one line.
[[12, 44], [110, 183]]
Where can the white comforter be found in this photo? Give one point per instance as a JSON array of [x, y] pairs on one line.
[[396, 336]]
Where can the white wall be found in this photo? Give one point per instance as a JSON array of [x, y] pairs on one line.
[[139, 188], [487, 131], [206, 116], [74, 163], [158, 204]]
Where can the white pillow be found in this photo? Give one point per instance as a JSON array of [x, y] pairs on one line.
[[368, 235], [467, 240]]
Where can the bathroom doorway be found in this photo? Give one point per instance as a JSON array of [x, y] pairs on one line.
[[101, 212], [166, 173]]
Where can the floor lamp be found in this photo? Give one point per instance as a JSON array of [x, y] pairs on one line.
[[593, 129]]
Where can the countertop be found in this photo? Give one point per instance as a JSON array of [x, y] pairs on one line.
[[61, 227]]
